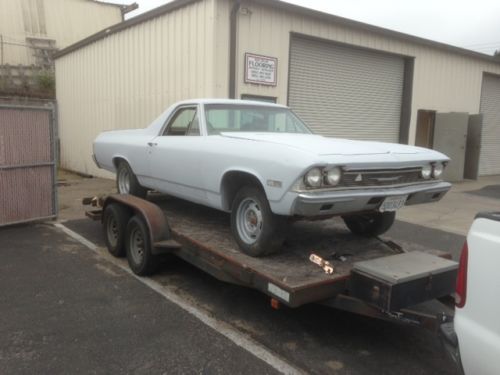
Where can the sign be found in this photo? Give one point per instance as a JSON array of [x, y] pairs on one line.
[[260, 69]]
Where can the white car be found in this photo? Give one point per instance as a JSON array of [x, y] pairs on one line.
[[260, 162], [473, 339]]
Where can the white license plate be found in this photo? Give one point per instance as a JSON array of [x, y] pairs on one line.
[[393, 203]]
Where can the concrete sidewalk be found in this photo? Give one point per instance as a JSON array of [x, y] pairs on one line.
[[456, 211]]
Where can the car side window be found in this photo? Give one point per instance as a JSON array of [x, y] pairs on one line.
[[181, 123]]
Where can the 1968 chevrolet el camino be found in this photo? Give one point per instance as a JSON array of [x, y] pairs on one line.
[[261, 163]]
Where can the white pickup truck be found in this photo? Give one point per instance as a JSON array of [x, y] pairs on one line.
[[473, 340]]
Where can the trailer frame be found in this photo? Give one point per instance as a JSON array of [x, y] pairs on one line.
[[332, 292]]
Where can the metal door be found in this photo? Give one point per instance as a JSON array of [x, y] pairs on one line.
[[27, 164], [473, 148], [450, 136]]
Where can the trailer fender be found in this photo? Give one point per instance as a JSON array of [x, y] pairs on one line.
[[153, 216]]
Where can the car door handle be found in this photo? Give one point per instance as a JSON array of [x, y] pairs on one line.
[[152, 144]]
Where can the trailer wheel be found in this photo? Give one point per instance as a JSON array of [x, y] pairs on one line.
[[138, 245], [127, 183], [372, 224], [114, 223], [255, 228]]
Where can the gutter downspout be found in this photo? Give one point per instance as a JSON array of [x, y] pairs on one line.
[[232, 48]]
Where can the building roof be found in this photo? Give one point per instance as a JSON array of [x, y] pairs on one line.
[[108, 3], [287, 7]]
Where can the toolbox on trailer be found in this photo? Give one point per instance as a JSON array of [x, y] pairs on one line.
[[398, 281], [320, 261]]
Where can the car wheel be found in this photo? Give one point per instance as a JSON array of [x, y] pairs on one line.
[[372, 224], [114, 221], [255, 228], [127, 183], [138, 246]]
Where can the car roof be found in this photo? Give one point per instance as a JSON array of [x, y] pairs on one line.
[[231, 101]]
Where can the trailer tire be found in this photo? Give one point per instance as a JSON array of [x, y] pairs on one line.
[[138, 246], [126, 181], [114, 224], [257, 231], [372, 224]]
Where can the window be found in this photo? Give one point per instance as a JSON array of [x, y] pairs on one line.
[[250, 118], [184, 122]]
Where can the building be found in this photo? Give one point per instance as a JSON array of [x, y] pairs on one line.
[[344, 78], [30, 30]]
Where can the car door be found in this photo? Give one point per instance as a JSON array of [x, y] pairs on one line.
[[176, 153]]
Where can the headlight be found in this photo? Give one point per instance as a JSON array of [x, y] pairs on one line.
[[437, 170], [313, 177], [333, 176], [426, 172]]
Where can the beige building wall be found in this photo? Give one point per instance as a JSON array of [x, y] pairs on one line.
[[129, 78], [443, 81], [65, 21]]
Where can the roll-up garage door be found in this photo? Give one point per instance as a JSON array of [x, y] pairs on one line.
[[489, 161], [346, 92]]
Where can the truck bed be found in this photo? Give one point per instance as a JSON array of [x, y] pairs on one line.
[[289, 275]]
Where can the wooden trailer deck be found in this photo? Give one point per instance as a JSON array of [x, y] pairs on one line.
[[288, 276]]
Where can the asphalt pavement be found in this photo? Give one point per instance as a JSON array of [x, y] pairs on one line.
[[67, 310]]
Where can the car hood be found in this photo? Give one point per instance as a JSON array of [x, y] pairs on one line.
[[319, 145]]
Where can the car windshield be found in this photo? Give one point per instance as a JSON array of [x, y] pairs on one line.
[[252, 118]]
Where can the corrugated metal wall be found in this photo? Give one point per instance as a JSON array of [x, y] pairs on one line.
[[127, 79], [443, 81], [65, 21], [27, 165]]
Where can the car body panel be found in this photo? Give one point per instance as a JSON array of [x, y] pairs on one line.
[[193, 167]]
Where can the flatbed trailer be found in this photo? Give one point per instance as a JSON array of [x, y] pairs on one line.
[[371, 276]]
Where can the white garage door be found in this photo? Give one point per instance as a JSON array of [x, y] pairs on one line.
[[489, 162], [346, 92]]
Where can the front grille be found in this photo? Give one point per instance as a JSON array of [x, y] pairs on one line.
[[355, 178]]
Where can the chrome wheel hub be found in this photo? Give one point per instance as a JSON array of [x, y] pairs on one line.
[[124, 181]]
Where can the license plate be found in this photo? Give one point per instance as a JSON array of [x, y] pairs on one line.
[[393, 203]]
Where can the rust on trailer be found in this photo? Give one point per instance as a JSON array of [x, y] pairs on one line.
[[150, 213]]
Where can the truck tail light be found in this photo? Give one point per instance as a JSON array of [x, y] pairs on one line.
[[461, 291]]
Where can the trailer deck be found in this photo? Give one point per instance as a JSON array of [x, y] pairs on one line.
[[291, 277]]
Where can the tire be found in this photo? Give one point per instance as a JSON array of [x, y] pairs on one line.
[[138, 246], [368, 225], [114, 224], [127, 183], [255, 228]]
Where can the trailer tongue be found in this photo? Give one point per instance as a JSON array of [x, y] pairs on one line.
[[320, 262]]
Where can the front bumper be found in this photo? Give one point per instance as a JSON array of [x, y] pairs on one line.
[[358, 200]]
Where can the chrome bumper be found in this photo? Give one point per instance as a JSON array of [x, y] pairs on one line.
[[358, 200]]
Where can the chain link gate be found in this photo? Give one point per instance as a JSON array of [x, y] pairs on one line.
[[28, 174]]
